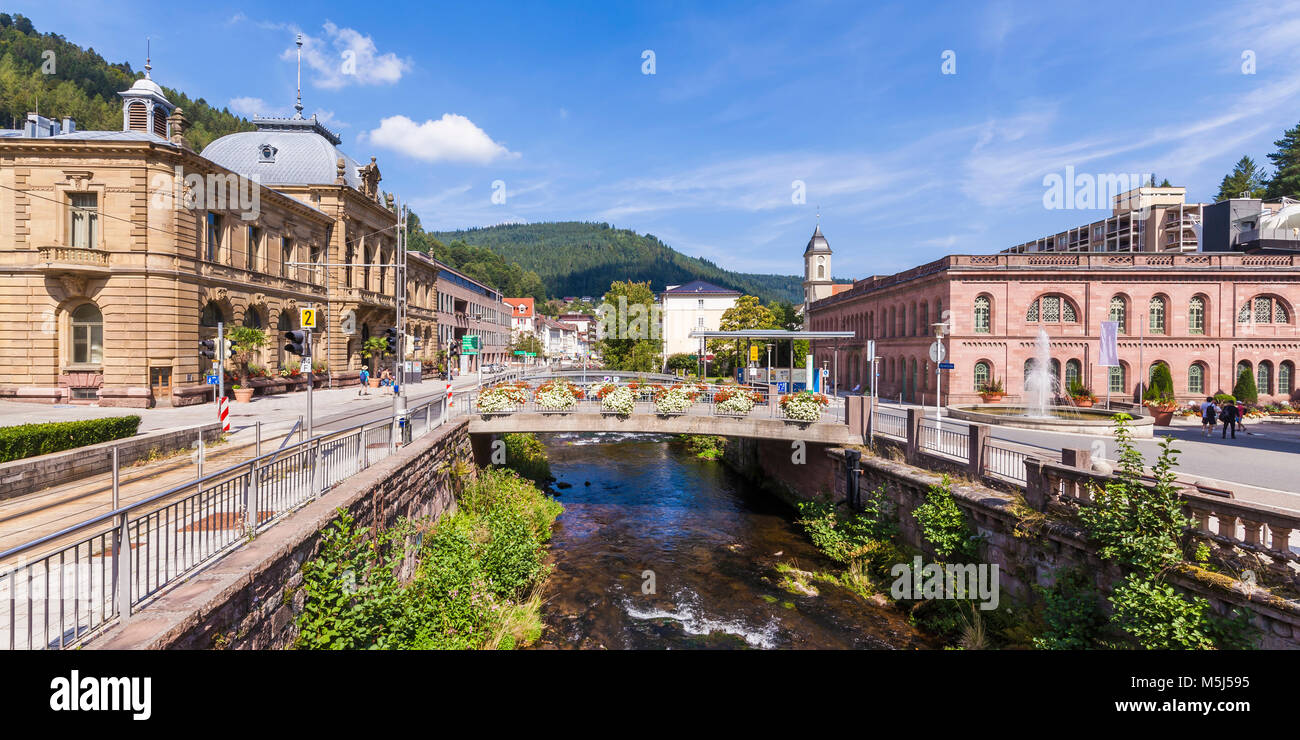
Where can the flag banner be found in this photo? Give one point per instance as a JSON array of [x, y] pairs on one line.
[[1108, 356]]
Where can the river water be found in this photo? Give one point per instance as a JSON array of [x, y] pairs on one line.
[[637, 505]]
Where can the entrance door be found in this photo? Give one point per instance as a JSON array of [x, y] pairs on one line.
[[160, 384]]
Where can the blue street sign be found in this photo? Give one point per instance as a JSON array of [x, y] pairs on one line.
[[947, 366], [781, 386], [210, 379]]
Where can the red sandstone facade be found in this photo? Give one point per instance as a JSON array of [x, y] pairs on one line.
[[1205, 315]]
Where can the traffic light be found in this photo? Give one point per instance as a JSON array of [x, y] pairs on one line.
[[208, 349], [390, 338], [230, 349], [299, 343]]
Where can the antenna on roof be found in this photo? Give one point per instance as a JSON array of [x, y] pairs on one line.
[[148, 53], [298, 106]]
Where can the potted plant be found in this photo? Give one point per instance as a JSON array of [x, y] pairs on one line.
[[992, 391], [803, 406], [372, 348], [1159, 395], [501, 399], [734, 400], [617, 399], [673, 401], [557, 396], [1081, 394], [245, 341]]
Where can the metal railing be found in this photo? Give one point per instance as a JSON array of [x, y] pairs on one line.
[[1005, 463], [60, 590], [890, 423], [950, 442]]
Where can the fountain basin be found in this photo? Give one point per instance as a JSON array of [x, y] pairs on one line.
[[1059, 419]]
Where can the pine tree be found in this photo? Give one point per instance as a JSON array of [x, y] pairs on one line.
[[1286, 164], [1245, 181], [1245, 389]]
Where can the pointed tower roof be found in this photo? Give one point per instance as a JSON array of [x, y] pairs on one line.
[[817, 244]]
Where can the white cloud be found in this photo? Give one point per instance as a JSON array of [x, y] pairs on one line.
[[452, 138], [248, 106], [345, 56]]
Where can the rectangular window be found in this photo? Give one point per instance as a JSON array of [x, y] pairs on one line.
[[254, 247], [83, 217], [213, 237], [315, 260], [286, 256], [88, 344]]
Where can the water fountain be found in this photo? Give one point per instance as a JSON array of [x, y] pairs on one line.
[[1037, 410]]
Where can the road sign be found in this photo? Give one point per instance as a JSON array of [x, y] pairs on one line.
[[304, 366], [520, 352], [936, 352], [210, 379], [307, 318], [530, 354], [947, 366], [753, 353], [469, 344]]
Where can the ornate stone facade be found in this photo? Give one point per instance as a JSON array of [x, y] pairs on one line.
[[1205, 315]]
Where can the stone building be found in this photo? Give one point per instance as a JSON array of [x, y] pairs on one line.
[[120, 250], [1205, 315]]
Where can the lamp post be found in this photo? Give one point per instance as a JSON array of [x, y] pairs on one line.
[[938, 371], [769, 363]]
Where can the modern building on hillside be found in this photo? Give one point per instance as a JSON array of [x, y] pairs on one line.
[[120, 250], [697, 305], [1206, 314]]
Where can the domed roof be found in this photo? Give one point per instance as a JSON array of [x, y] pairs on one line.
[[285, 151], [146, 85], [817, 243]]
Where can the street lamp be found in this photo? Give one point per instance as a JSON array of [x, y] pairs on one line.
[[769, 362], [938, 357]]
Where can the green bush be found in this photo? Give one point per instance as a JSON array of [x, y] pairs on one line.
[[1161, 388], [1224, 398], [1245, 389], [943, 524], [28, 440], [526, 455], [1073, 614]]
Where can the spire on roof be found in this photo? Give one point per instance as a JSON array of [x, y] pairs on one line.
[[147, 54], [298, 106]]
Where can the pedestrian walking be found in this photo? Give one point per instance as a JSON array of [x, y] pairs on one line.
[[1241, 415], [1209, 415], [364, 375], [1229, 416]]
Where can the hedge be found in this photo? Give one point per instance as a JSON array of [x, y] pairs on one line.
[[28, 440]]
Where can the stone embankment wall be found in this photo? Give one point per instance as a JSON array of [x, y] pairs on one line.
[[250, 598], [1028, 550]]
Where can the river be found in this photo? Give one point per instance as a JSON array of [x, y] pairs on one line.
[[644, 515]]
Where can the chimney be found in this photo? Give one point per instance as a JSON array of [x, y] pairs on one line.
[[69, 125]]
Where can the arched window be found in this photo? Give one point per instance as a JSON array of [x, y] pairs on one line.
[[1055, 369], [1264, 378], [923, 324], [87, 336], [982, 374], [1264, 310], [1119, 312], [252, 319], [1073, 373], [1286, 378], [1156, 315], [211, 315], [137, 116], [1052, 309], [983, 315], [1118, 378], [1196, 378], [1196, 316], [1242, 366], [821, 267]]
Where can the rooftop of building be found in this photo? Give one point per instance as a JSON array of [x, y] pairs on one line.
[[522, 308], [697, 287]]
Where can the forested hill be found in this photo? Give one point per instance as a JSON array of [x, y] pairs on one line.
[[84, 86], [578, 258]]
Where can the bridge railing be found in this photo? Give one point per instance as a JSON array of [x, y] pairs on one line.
[[62, 589]]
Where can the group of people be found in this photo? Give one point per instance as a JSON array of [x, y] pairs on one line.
[[385, 379], [1231, 413]]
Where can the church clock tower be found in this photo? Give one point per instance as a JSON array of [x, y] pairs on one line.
[[816, 269]]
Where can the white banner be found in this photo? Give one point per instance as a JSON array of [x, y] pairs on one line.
[[1108, 356]]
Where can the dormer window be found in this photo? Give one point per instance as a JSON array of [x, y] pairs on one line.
[[266, 153]]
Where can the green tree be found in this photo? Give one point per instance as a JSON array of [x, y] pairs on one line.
[[1245, 389], [629, 325], [246, 341], [1161, 388], [746, 313], [525, 342], [682, 361], [1245, 181], [1286, 166]]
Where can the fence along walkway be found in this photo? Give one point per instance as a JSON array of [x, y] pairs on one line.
[[60, 590]]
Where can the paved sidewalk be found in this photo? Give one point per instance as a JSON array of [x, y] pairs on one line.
[[269, 409]]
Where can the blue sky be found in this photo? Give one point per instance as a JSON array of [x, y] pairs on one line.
[[906, 163]]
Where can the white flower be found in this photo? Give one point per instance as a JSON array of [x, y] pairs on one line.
[[803, 407], [557, 396], [619, 400], [673, 401], [501, 398], [740, 402]]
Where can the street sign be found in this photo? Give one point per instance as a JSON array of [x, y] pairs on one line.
[[305, 366], [530, 354], [947, 366], [469, 344], [307, 318], [520, 352], [753, 353], [936, 352], [210, 379]]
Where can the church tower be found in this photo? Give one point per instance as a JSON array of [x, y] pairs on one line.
[[816, 269]]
